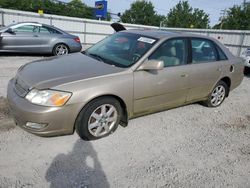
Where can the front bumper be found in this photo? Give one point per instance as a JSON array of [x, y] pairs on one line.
[[59, 120]]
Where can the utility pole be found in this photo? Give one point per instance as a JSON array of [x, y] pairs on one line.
[[223, 14]]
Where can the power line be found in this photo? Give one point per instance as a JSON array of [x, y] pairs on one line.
[[223, 15]]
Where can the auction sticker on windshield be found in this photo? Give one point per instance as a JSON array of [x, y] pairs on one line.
[[146, 40]]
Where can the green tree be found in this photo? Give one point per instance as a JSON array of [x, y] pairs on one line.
[[184, 16], [237, 17], [75, 8], [142, 12]]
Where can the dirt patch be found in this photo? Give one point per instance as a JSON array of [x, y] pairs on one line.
[[4, 108], [238, 123], [6, 122], [246, 150]]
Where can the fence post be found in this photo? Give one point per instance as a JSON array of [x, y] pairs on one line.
[[241, 43], [85, 37], [50, 20], [2, 18]]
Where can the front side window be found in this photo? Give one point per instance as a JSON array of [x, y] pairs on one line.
[[121, 49], [172, 52], [27, 29], [203, 51]]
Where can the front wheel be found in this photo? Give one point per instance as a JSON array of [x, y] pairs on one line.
[[218, 95], [99, 118], [60, 49]]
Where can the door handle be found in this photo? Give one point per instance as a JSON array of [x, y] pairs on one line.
[[219, 69], [35, 35], [184, 75], [231, 68]]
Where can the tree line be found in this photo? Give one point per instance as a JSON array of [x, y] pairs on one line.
[[142, 12]]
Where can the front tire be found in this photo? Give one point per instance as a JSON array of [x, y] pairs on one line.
[[99, 118], [218, 95]]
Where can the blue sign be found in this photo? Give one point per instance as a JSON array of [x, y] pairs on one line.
[[101, 9]]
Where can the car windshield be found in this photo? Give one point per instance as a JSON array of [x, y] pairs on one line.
[[121, 49]]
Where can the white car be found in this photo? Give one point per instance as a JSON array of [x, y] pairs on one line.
[[246, 56]]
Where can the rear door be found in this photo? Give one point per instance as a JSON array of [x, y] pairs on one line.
[[47, 37], [205, 68]]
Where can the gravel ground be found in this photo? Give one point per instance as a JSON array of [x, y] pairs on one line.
[[190, 146]]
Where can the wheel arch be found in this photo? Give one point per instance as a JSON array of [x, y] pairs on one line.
[[227, 80], [124, 118]]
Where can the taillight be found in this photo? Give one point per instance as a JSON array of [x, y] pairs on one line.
[[77, 39]]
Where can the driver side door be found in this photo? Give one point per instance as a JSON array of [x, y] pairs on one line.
[[156, 90], [23, 39]]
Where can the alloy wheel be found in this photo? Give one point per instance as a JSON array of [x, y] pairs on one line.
[[102, 120]]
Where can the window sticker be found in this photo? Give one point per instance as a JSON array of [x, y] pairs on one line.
[[146, 40]]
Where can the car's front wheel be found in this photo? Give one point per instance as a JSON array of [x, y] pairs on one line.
[[60, 49], [218, 95], [98, 118]]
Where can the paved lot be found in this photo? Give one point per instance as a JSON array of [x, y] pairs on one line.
[[190, 146]]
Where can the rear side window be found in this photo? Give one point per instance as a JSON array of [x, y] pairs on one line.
[[48, 30], [222, 55], [203, 50]]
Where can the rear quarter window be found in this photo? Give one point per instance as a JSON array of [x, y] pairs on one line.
[[221, 55]]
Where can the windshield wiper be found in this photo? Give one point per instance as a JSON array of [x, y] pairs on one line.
[[98, 57]]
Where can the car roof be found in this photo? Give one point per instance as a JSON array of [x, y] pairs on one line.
[[36, 24], [161, 34]]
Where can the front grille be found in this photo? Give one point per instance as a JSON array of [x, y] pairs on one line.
[[20, 87]]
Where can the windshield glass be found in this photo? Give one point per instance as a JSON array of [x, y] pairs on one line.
[[121, 49]]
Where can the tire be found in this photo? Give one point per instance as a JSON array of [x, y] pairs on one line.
[[60, 49], [218, 95], [92, 123]]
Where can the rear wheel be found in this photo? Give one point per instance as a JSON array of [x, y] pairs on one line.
[[99, 118], [60, 49], [218, 95]]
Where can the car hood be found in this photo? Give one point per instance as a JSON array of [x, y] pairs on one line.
[[51, 72]]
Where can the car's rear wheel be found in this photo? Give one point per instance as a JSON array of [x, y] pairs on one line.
[[98, 118], [218, 95], [60, 49]]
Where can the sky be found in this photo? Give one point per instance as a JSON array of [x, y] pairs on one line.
[[211, 7]]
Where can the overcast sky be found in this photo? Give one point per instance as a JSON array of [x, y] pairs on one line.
[[212, 7]]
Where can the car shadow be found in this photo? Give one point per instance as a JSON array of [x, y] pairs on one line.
[[247, 72], [78, 168]]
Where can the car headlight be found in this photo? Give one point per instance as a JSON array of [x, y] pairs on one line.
[[48, 97]]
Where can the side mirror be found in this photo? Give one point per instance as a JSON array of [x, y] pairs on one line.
[[10, 30], [152, 65]]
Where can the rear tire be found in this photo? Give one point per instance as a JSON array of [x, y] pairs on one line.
[[218, 95], [60, 49], [99, 118]]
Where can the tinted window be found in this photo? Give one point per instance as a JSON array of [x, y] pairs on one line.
[[172, 52], [48, 30], [27, 29], [221, 54], [203, 51]]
